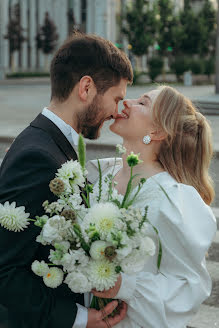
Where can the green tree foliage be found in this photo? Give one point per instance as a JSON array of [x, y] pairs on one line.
[[195, 32], [166, 24], [14, 30], [208, 20], [155, 67], [141, 26], [47, 36]]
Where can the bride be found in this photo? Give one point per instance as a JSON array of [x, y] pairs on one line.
[[174, 142]]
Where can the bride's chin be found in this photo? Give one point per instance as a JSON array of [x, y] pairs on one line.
[[115, 129]]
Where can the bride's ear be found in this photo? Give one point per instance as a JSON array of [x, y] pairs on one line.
[[158, 135], [86, 88]]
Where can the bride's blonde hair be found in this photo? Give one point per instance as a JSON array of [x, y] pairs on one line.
[[187, 150]]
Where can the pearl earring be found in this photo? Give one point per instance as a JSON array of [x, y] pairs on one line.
[[146, 140]]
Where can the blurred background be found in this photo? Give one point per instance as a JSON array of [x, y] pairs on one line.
[[167, 41], [163, 38]]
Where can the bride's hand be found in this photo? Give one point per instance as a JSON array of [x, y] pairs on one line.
[[110, 293]]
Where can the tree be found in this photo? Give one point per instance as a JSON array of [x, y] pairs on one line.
[[207, 16], [14, 33], [217, 53], [141, 26], [47, 36], [167, 22]]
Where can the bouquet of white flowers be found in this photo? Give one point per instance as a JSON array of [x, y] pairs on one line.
[[90, 245]]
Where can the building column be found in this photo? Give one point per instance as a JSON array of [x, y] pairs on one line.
[[4, 44], [24, 25], [15, 63], [32, 34], [77, 11], [41, 16], [100, 17]]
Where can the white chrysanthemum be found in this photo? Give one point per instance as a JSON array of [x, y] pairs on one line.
[[105, 217], [13, 218], [97, 250], [78, 282], [147, 246], [74, 258], [71, 173], [102, 274], [56, 229], [40, 268], [53, 278]]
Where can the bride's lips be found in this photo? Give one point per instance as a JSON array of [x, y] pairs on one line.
[[123, 115]]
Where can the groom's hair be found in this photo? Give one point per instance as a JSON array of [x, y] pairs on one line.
[[89, 55]]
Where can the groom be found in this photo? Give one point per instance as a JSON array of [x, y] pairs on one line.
[[89, 76]]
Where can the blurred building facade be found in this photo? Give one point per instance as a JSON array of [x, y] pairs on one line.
[[89, 16], [102, 17]]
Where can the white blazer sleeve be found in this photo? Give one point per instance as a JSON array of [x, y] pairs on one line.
[[169, 299]]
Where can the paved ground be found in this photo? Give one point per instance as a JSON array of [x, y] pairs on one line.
[[21, 101]]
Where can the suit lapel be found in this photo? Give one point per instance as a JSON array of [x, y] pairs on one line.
[[47, 125]]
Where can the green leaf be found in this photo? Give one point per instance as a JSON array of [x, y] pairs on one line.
[[81, 151], [100, 181]]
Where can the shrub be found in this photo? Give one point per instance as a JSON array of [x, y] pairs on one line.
[[155, 67], [179, 66], [197, 66], [209, 66]]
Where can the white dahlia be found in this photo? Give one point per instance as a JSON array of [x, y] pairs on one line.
[[102, 274], [53, 278], [78, 282], [13, 218], [105, 217], [40, 268], [97, 250], [71, 173]]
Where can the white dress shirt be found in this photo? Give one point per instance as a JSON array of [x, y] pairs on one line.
[[186, 226], [72, 136]]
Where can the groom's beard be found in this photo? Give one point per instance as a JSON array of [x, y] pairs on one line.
[[89, 122]]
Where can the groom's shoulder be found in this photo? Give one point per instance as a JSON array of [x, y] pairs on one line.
[[32, 144], [32, 139]]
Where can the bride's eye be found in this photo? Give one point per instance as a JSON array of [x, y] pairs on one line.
[[140, 103]]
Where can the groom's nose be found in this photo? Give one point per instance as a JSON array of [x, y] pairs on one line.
[[116, 111]]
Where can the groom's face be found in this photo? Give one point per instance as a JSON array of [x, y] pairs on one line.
[[102, 108]]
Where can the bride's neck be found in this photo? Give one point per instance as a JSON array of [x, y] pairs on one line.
[[150, 165]]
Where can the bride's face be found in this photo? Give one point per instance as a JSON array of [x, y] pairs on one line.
[[135, 121]]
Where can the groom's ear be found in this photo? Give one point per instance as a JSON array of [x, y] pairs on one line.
[[87, 89]]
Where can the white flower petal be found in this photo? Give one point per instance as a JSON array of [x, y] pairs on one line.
[[13, 218]]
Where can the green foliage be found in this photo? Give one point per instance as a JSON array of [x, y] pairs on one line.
[[195, 32], [197, 66], [167, 20], [81, 151], [209, 66], [47, 36], [155, 67], [179, 66], [141, 26]]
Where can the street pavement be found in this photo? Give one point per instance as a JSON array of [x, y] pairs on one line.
[[21, 101]]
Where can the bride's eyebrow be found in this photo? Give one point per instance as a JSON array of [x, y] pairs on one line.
[[146, 97]]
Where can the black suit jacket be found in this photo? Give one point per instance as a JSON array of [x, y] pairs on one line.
[[25, 173]]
